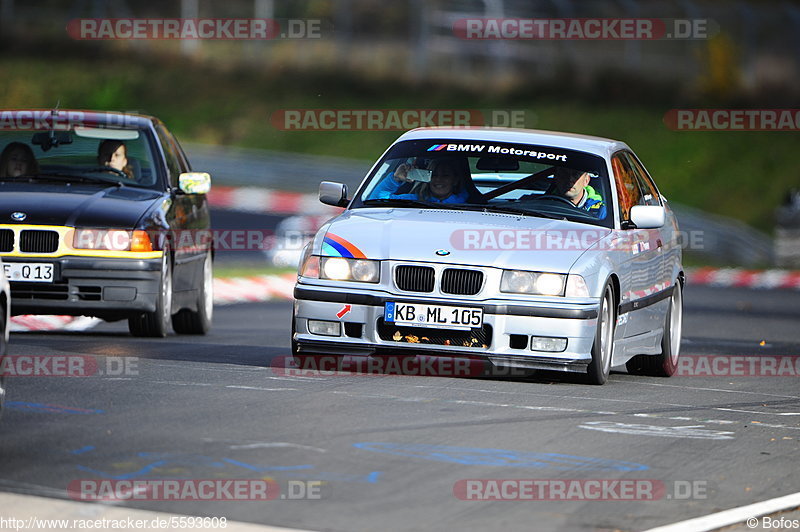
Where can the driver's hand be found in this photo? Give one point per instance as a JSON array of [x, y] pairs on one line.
[[401, 173]]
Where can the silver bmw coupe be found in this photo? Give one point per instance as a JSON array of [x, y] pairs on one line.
[[519, 248]]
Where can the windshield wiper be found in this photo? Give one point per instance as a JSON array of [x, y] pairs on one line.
[[65, 176], [403, 202], [522, 212]]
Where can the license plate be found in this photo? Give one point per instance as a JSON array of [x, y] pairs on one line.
[[34, 272], [441, 316]]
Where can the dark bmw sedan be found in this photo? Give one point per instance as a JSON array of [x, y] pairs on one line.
[[101, 215]]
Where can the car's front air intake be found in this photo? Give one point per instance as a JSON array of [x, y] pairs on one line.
[[414, 278], [461, 282], [38, 241]]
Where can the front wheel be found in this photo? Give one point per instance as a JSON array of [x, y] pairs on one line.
[[156, 324], [603, 347]]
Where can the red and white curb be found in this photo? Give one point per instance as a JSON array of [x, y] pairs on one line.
[[227, 291], [253, 289], [267, 201], [260, 288], [738, 277]]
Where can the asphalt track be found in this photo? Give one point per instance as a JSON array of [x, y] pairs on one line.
[[389, 452]]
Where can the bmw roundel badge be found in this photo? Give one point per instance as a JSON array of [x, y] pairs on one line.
[[442, 252], [18, 216]]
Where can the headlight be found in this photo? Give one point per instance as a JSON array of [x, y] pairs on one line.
[[342, 269], [522, 282], [112, 240]]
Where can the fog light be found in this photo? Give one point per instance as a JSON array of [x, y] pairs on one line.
[[324, 328], [543, 343]]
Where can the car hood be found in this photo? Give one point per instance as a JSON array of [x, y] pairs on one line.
[[460, 237], [75, 205]]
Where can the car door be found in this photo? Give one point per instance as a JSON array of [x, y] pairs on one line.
[[188, 218], [644, 258]]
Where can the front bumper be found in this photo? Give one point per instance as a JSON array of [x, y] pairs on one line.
[[505, 323], [109, 288]]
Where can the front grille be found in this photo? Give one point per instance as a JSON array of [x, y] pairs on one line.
[[38, 241], [461, 282], [414, 278], [475, 338], [6, 240], [25, 290]]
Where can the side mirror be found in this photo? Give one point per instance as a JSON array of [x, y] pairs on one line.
[[194, 182], [648, 216], [335, 194]]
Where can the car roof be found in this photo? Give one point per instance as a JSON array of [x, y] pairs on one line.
[[557, 139]]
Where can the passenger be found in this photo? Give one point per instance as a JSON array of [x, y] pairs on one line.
[[17, 159], [574, 185], [447, 183], [113, 153]]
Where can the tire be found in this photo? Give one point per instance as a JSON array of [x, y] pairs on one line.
[[664, 364], [3, 348], [199, 321], [156, 324], [603, 347]]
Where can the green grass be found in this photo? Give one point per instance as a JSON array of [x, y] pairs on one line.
[[244, 270], [738, 174]]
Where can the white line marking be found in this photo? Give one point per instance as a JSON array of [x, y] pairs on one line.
[[262, 389], [733, 516], [264, 445]]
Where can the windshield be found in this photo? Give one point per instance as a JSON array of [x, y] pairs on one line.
[[83, 154], [495, 176]]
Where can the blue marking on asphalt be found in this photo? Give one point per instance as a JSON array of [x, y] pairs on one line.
[[83, 449], [499, 457], [372, 478], [143, 471], [52, 409]]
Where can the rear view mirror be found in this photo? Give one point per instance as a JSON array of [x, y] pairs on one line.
[[497, 164], [331, 193], [648, 216], [194, 182], [51, 139]]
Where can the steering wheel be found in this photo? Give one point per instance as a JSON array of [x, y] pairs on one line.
[[111, 169], [559, 198]]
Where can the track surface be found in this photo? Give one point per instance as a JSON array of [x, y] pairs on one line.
[[212, 407]]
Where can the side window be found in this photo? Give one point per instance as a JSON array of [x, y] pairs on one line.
[[627, 186], [172, 158], [650, 196]]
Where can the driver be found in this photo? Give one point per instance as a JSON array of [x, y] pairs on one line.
[[447, 183], [113, 153], [574, 185]]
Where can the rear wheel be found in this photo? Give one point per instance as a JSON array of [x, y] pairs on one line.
[[3, 347], [603, 347], [156, 324], [665, 364], [198, 321]]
